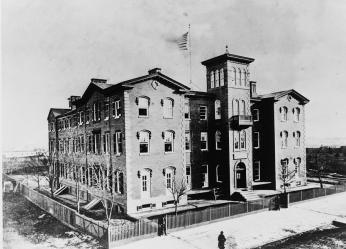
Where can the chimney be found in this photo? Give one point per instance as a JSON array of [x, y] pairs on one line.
[[71, 101], [154, 70], [94, 80], [253, 92]]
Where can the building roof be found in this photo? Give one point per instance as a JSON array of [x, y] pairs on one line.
[[278, 95], [227, 56], [200, 94], [57, 111]]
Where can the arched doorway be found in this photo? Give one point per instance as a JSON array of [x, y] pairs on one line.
[[240, 175]]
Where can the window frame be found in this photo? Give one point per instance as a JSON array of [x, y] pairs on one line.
[[146, 107], [204, 135], [256, 134], [188, 135], [168, 108], [205, 115], [259, 171], [144, 142], [171, 134], [218, 145], [255, 114], [217, 107]]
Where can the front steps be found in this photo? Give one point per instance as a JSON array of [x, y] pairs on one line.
[[244, 195], [60, 190], [92, 204]]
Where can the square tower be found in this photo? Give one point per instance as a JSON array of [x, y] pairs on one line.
[[228, 80]]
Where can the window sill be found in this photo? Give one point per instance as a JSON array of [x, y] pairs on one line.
[[204, 150], [218, 149], [144, 154], [256, 147], [167, 117], [116, 117], [117, 154], [168, 152], [143, 116]]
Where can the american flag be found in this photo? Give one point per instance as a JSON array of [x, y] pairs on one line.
[[182, 42]]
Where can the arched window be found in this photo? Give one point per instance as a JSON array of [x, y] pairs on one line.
[[217, 82], [297, 162], [283, 111], [170, 177], [143, 106], [284, 164], [212, 82], [167, 108], [243, 140], [234, 76], [284, 137], [145, 176], [296, 114], [242, 108], [218, 140], [222, 78], [236, 140], [297, 136], [168, 137], [217, 109], [235, 107], [239, 77], [244, 77], [144, 137]]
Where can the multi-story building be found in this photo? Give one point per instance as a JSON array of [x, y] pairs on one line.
[[134, 139]]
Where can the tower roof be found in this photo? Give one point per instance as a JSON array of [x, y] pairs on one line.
[[227, 56]]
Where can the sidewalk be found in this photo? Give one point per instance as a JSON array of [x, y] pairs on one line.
[[254, 230]]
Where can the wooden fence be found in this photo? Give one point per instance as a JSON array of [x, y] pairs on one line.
[[127, 230], [66, 215]]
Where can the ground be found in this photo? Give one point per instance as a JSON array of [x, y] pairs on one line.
[[256, 229], [27, 226]]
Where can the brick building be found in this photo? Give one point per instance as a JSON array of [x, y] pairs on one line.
[[134, 139]]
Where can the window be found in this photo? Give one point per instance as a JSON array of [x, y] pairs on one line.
[[284, 136], [218, 140], [106, 143], [256, 171], [296, 114], [106, 109], [116, 109], [202, 112], [117, 143], [256, 140], [243, 140], [87, 115], [97, 142], [81, 138], [204, 141], [187, 141], [212, 84], [218, 174], [243, 108], [236, 140], [187, 109], [283, 112], [297, 136], [222, 78], [169, 174], [168, 140], [143, 107], [146, 175], [168, 108], [90, 143], [235, 107], [81, 118], [119, 182], [297, 162], [239, 77], [188, 176], [97, 111], [284, 164], [255, 114], [217, 83], [234, 75], [144, 142], [244, 77], [217, 109]]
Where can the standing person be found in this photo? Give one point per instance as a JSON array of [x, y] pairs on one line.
[[221, 240], [164, 226]]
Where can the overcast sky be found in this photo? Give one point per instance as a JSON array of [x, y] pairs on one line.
[[51, 49]]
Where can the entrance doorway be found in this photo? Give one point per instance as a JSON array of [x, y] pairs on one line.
[[240, 175]]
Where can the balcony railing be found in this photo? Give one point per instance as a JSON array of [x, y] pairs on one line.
[[241, 121]]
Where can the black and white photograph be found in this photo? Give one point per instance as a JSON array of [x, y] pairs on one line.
[[176, 124]]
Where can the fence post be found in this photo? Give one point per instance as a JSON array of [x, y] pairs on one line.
[[301, 195], [247, 206], [325, 191]]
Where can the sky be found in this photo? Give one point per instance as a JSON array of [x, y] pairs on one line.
[[51, 50]]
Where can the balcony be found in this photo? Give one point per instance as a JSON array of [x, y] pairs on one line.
[[241, 121]]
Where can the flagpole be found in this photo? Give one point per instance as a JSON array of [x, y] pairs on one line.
[[190, 54]]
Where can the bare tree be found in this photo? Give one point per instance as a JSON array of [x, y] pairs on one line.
[[100, 181], [321, 161], [286, 176], [177, 189], [37, 166]]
